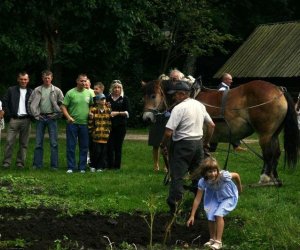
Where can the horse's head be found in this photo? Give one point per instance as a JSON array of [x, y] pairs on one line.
[[156, 101]]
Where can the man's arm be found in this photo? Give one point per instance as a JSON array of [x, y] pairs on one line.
[[167, 136], [66, 114]]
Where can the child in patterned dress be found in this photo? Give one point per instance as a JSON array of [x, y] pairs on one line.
[[220, 198]]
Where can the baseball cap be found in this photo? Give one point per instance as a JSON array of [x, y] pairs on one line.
[[179, 86], [99, 97]]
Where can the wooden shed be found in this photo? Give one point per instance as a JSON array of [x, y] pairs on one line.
[[271, 53]]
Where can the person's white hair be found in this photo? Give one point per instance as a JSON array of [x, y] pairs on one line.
[[176, 72]]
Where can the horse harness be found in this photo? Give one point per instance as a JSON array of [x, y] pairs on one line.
[[222, 118]]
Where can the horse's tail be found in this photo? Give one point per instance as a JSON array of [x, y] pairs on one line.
[[291, 133]]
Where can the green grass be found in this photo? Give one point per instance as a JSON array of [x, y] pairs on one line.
[[266, 217]]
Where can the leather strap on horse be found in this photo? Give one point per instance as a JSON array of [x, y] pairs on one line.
[[196, 87], [164, 151], [223, 105], [222, 118]]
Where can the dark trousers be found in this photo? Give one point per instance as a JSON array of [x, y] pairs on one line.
[[99, 155], [185, 156], [114, 147]]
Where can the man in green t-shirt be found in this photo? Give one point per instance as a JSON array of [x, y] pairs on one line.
[[75, 108]]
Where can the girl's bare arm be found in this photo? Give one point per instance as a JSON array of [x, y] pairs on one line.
[[196, 203], [236, 178]]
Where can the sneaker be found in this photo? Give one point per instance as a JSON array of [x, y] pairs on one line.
[[92, 170], [70, 171], [20, 166], [217, 245], [99, 170], [209, 243], [82, 171]]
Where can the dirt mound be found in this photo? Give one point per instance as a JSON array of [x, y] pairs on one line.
[[45, 229]]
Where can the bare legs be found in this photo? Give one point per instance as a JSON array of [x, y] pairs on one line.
[[216, 228]]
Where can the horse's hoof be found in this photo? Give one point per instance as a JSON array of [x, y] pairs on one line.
[[264, 179], [278, 183]]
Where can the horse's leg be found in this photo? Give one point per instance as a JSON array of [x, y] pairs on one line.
[[276, 155], [271, 153]]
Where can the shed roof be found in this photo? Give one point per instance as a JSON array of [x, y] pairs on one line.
[[272, 50]]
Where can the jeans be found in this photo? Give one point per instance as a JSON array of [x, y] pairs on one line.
[[39, 150], [74, 132]]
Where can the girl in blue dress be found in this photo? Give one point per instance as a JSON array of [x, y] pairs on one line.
[[220, 198]]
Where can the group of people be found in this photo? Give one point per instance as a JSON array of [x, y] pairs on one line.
[[98, 123], [184, 141]]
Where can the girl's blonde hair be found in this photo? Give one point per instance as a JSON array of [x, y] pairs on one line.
[[207, 164]]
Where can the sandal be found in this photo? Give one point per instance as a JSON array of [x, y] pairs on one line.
[[209, 243], [217, 245]]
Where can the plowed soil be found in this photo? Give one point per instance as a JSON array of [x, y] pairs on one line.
[[46, 229]]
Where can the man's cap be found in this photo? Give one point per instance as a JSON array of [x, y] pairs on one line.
[[179, 86], [99, 97]]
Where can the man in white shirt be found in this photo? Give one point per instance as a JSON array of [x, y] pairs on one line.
[[15, 105], [185, 129]]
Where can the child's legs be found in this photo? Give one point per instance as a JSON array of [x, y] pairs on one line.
[[219, 228], [212, 229]]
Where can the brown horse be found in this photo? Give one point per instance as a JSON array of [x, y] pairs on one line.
[[257, 106]]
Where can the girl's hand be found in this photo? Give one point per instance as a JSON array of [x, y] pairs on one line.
[[190, 221]]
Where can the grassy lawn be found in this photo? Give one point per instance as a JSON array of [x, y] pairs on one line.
[[266, 217]]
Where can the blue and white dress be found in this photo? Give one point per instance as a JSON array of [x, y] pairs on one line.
[[220, 197]]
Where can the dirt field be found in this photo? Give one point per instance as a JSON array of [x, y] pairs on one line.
[[41, 228]]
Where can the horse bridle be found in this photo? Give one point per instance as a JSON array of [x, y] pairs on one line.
[[163, 102]]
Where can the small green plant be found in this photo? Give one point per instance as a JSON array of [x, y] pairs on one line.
[[172, 221], [152, 205], [66, 244], [7, 244], [126, 246]]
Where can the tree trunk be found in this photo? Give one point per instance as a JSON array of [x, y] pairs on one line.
[[53, 48], [189, 66]]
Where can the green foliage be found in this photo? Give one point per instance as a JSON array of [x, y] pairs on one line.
[[65, 244], [9, 244]]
